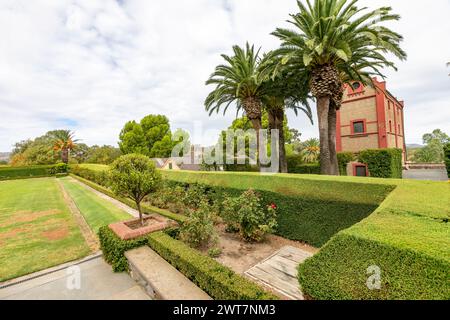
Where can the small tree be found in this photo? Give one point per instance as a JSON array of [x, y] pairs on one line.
[[134, 176]]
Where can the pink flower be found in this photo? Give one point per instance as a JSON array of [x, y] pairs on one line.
[[273, 206]]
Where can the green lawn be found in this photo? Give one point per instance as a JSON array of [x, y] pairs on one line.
[[97, 211], [37, 230], [94, 167]]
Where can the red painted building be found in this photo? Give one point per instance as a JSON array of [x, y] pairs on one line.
[[370, 118]]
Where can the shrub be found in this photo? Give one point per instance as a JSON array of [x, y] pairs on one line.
[[383, 163], [344, 158], [309, 209], [447, 158], [7, 173], [214, 252], [114, 248], [198, 230], [307, 168], [247, 215], [99, 177], [214, 278], [146, 208], [134, 176], [59, 168]]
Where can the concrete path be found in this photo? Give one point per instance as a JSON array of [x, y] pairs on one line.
[[426, 174], [279, 271], [97, 282]]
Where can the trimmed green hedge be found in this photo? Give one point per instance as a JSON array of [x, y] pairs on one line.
[[145, 208], [447, 158], [383, 163], [407, 237], [114, 248], [309, 209], [307, 168], [218, 281], [9, 173], [343, 159]]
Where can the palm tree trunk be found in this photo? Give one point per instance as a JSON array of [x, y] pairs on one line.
[[65, 155], [279, 119], [323, 106], [334, 168], [256, 122]]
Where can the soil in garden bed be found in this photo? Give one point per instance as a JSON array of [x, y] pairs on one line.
[[240, 255], [136, 224]]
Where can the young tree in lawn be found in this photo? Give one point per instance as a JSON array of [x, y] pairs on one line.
[[134, 176], [335, 41], [64, 143]]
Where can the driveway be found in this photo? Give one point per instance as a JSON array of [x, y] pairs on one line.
[[96, 281], [426, 174]]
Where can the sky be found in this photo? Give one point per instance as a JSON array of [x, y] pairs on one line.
[[90, 66]]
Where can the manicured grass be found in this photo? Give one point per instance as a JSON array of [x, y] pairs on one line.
[[95, 167], [37, 230], [97, 211]]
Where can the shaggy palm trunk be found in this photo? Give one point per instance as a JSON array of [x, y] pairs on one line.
[[65, 155], [334, 168], [279, 119], [325, 86], [323, 106], [252, 107]]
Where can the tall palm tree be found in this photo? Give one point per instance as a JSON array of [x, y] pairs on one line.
[[64, 142], [237, 82], [334, 41], [286, 90]]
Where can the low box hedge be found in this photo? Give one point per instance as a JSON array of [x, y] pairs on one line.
[[114, 248], [407, 237], [383, 163], [9, 173], [310, 210], [219, 281]]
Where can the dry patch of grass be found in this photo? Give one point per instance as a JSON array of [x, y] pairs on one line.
[[37, 230]]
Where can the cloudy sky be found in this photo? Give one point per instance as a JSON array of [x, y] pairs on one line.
[[91, 65]]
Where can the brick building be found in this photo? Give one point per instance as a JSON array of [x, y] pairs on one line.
[[370, 118]]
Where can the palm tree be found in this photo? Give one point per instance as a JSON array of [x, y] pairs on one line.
[[311, 150], [237, 82], [64, 142], [286, 90], [335, 41]]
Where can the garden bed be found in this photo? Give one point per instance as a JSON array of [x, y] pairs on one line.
[[240, 256]]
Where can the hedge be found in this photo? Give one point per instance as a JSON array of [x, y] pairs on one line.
[[310, 210], [114, 248], [447, 158], [344, 158], [145, 208], [382, 163], [407, 237], [219, 281], [9, 173]]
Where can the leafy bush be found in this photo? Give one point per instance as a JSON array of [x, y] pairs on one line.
[[307, 168], [114, 248], [383, 163], [344, 158], [447, 158], [198, 230], [247, 215], [214, 278], [59, 168]]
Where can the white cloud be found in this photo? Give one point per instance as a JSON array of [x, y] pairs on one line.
[[92, 65]]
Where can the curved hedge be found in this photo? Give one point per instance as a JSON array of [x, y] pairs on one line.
[[407, 237]]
